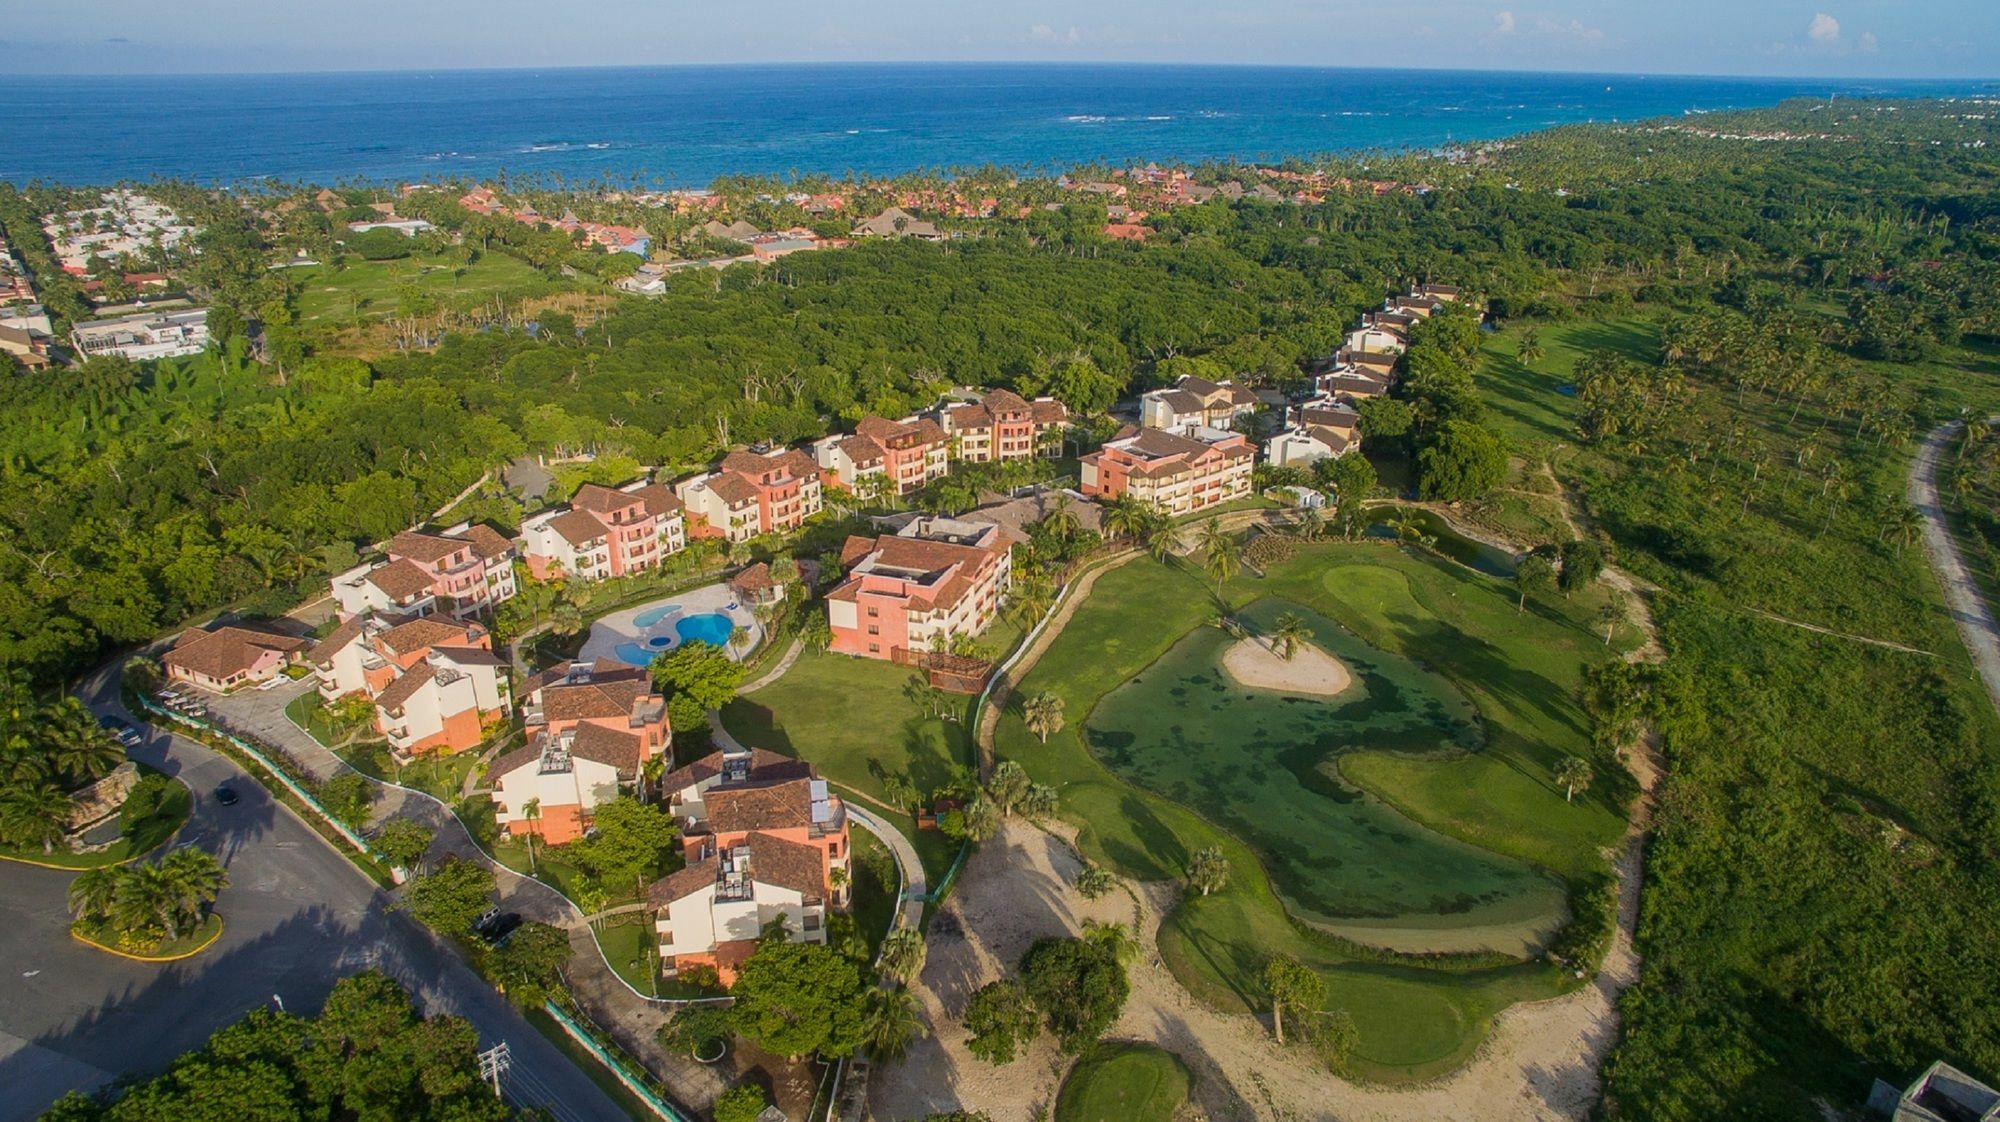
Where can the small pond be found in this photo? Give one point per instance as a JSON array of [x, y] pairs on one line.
[[1263, 766], [1446, 541]]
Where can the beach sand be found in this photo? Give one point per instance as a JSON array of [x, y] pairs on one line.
[[1310, 672]]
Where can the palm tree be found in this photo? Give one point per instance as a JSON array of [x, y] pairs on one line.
[[78, 744], [34, 814], [1126, 517], [566, 617], [1062, 519], [531, 813], [1031, 597], [1162, 534], [1530, 349], [92, 892], [1573, 774], [1291, 632], [1222, 553], [1610, 613], [1113, 936], [192, 879], [1310, 525], [903, 955], [1902, 521], [893, 1022], [1043, 714]]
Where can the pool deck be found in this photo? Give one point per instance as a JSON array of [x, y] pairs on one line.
[[608, 633]]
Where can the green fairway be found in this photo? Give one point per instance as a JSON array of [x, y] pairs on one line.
[[1123, 1083], [1417, 1018], [1525, 402], [366, 290]]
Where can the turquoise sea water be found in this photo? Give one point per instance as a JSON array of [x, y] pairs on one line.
[[683, 126]]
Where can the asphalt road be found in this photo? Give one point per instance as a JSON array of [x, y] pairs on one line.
[[1961, 595], [298, 918]]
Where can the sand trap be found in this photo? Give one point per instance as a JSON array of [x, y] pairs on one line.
[[1310, 671]]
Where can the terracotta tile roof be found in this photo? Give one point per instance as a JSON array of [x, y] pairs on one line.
[[423, 632], [471, 656], [1335, 440], [660, 499], [1048, 411], [226, 650], [855, 548], [775, 806], [596, 700], [336, 641], [599, 499], [603, 670], [400, 580], [1181, 401], [787, 864], [903, 433], [405, 687], [578, 528], [1004, 401], [863, 450], [488, 543], [427, 548], [613, 747], [734, 489], [527, 753], [683, 883], [791, 461], [753, 578]]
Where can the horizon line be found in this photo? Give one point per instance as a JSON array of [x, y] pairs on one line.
[[1063, 63]]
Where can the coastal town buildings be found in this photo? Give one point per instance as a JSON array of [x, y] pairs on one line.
[[916, 590], [763, 838], [1316, 430], [126, 224], [905, 454], [226, 657], [435, 682], [1003, 426], [460, 571], [1193, 403], [1173, 472], [146, 335], [591, 729], [605, 532], [752, 493]]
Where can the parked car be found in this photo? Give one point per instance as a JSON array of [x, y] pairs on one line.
[[121, 732], [226, 795], [496, 925]]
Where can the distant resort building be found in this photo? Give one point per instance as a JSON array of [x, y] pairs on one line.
[[461, 571], [908, 453], [605, 532], [590, 731], [148, 335], [1193, 403], [1176, 473], [752, 493], [1004, 426], [436, 683]]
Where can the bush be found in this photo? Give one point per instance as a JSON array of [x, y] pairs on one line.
[[147, 797], [740, 1104], [379, 245]]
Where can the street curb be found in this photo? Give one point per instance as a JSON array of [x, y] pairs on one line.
[[207, 943]]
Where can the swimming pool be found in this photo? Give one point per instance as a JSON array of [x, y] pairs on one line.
[[712, 628]]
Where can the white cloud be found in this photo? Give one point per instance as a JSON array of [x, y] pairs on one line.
[[1043, 33], [1574, 29], [1504, 23], [1868, 42], [1824, 30]]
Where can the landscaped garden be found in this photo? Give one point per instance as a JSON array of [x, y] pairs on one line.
[[1442, 627], [153, 812]]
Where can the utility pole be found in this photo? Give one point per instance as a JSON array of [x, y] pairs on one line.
[[492, 1062]]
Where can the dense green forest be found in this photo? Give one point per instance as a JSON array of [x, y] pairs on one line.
[[1763, 310]]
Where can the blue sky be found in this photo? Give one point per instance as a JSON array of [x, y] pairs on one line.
[[1858, 38]]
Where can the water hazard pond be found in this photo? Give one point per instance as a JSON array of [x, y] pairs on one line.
[[1262, 765]]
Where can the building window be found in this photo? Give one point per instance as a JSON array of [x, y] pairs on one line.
[[874, 648]]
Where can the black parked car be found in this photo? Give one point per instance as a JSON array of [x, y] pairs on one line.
[[496, 925], [226, 795]]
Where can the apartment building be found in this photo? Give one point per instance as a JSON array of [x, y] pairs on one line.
[[461, 571], [1002, 426], [147, 335], [591, 729], [1177, 473], [1196, 403], [605, 532], [436, 682], [763, 837], [223, 658], [751, 494], [908, 453], [1317, 430], [906, 592]]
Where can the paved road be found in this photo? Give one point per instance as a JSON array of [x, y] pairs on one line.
[[299, 917], [1961, 596]]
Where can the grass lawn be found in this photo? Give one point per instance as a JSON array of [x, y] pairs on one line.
[[1525, 402], [136, 839], [625, 947], [876, 888], [1123, 1083], [309, 712], [849, 716], [365, 290], [1520, 671], [439, 774], [554, 866]]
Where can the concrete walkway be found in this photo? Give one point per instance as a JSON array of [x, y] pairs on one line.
[[1962, 596], [790, 656]]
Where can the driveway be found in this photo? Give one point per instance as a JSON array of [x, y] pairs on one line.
[[1961, 596], [298, 918]]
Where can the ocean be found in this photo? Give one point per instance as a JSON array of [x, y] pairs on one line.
[[684, 126]]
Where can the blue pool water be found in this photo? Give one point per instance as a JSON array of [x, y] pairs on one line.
[[713, 628], [651, 616]]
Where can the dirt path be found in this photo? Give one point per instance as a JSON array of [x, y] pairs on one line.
[[1961, 595]]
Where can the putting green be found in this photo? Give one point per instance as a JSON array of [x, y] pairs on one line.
[[1262, 764]]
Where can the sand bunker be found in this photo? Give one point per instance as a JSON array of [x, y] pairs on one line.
[[1310, 671]]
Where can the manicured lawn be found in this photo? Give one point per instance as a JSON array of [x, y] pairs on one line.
[[136, 839], [365, 290], [875, 887], [1415, 1020], [1525, 402], [309, 712], [1123, 1083], [626, 948], [850, 717], [436, 773]]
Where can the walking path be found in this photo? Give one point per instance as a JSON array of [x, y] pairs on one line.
[[790, 656], [1017, 671], [1961, 595]]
